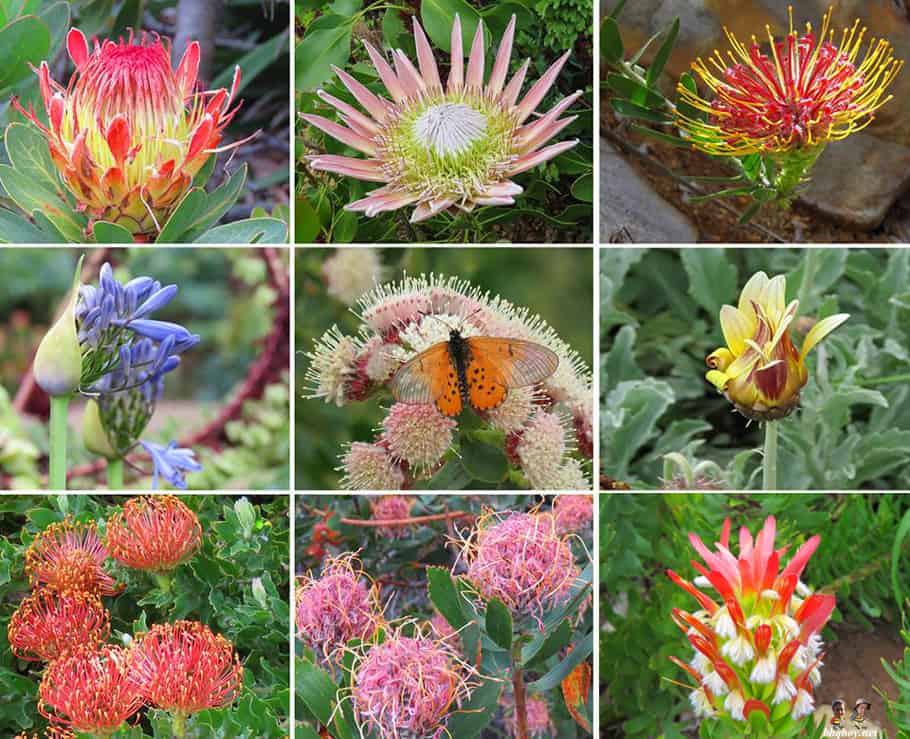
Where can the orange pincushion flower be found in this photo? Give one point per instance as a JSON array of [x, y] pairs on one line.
[[90, 691], [47, 625], [129, 133], [68, 557], [154, 533], [184, 668]]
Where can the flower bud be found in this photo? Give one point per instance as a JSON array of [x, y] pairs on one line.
[[93, 434], [58, 361]]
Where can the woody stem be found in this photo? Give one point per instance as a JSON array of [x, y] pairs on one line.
[[769, 464], [518, 687]]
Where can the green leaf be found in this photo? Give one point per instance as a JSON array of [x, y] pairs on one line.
[[475, 715], [545, 645], [15, 228], [32, 197], [629, 419], [111, 233], [198, 210], [580, 652], [663, 54], [445, 596], [253, 63], [393, 28], [483, 461], [316, 689], [27, 150], [345, 228], [452, 476], [635, 91], [713, 279], [327, 43], [611, 40], [617, 9], [438, 17], [249, 231], [305, 732], [26, 41], [57, 19], [631, 110], [499, 623], [583, 188], [306, 222]]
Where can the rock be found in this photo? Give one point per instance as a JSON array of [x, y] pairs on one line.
[[856, 181], [630, 209]]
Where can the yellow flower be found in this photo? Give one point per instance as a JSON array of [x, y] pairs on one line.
[[760, 371]]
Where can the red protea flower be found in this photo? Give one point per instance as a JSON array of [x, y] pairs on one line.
[[47, 624], [808, 92], [128, 133], [757, 641], [90, 691], [155, 532], [183, 668], [69, 557]]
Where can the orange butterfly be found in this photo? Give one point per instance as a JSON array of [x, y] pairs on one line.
[[478, 370]]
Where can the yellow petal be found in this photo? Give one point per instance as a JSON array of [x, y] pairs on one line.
[[819, 331], [737, 327], [753, 291], [775, 295], [743, 363], [720, 359], [719, 379]]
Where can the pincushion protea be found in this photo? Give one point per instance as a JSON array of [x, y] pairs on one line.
[[808, 92], [129, 133], [155, 533], [47, 624], [443, 146], [758, 648], [760, 371], [69, 557]]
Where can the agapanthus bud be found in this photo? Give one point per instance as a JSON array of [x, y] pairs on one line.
[[154, 532], [757, 641], [68, 557], [47, 624], [339, 605], [760, 371], [520, 559], [407, 686], [128, 133], [58, 362]]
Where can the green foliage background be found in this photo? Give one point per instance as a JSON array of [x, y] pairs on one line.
[[556, 206], [659, 319], [404, 567], [864, 559], [556, 283], [245, 542]]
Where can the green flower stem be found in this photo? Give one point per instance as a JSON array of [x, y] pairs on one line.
[[769, 465], [810, 267], [57, 462], [115, 474], [518, 688], [163, 581], [793, 168], [889, 380], [178, 725]]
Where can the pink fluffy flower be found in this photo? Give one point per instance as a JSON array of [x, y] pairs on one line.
[[537, 711], [392, 508], [417, 434], [339, 605], [574, 513], [371, 467]]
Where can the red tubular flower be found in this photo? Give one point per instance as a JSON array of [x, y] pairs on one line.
[[183, 668], [69, 557], [47, 625], [754, 704], [129, 133], [156, 533], [90, 691]]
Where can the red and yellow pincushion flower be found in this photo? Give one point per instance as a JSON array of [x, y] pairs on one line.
[[807, 92], [128, 133], [760, 371], [47, 625], [69, 557], [155, 533]]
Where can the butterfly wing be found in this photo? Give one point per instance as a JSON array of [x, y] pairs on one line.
[[519, 363], [486, 385], [430, 377]]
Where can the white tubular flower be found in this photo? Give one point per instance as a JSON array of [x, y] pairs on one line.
[[734, 704], [803, 705], [417, 434], [765, 669], [370, 467], [784, 690], [332, 363]]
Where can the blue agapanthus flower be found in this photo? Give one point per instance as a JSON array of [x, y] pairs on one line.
[[171, 462]]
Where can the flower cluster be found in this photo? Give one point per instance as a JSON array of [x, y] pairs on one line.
[[392, 508], [521, 559], [93, 687], [155, 533], [339, 605], [756, 638], [439, 147], [807, 92], [760, 371], [545, 425], [128, 133], [573, 513], [407, 686]]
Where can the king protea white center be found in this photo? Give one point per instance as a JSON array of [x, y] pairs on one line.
[[443, 146]]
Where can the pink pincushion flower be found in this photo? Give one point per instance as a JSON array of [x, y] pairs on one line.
[[573, 513], [543, 451], [392, 508], [540, 725], [757, 640], [417, 434], [339, 605], [406, 687], [520, 559], [371, 467]]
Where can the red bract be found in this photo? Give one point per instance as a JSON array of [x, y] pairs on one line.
[[184, 668], [68, 557], [47, 625], [90, 691], [154, 533]]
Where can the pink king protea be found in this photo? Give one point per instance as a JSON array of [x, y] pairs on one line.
[[439, 146], [759, 647]]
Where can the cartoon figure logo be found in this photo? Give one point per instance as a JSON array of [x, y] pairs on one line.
[[860, 708], [839, 709]]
